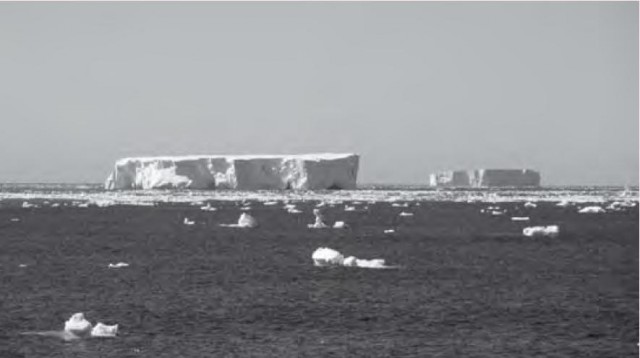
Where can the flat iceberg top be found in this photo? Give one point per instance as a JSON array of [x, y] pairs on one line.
[[311, 156]]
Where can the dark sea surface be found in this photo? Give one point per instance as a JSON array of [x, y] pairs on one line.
[[469, 284]]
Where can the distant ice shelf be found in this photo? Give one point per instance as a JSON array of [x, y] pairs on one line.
[[241, 172]]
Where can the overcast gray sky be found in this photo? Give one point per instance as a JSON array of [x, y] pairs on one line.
[[413, 87]]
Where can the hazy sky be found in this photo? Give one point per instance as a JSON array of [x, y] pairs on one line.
[[412, 87]]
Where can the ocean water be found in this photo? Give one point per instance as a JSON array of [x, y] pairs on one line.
[[469, 284]]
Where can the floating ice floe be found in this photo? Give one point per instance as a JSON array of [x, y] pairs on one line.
[[325, 256], [270, 203], [349, 208], [536, 231], [208, 207], [103, 330], [294, 211], [245, 221], [27, 205], [339, 225], [497, 212], [55, 205], [15, 220], [118, 265], [188, 222], [591, 210], [319, 224], [563, 203], [22, 265], [399, 205], [520, 218], [78, 325], [530, 205], [389, 231], [321, 204], [405, 214]]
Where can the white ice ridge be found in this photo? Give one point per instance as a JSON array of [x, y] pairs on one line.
[[325, 256], [242, 172]]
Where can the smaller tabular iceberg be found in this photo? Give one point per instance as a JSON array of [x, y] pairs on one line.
[[480, 178]]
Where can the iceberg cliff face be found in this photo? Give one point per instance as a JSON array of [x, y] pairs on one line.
[[242, 172], [486, 178]]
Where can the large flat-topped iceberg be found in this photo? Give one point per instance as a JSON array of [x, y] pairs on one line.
[[486, 178], [242, 172]]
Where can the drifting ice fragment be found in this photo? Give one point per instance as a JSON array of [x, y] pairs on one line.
[[15, 220], [339, 225], [208, 207], [319, 224], [349, 208], [535, 231], [520, 218], [103, 330], [389, 231], [188, 222], [118, 265], [78, 325], [563, 203], [591, 210], [245, 221], [405, 214], [325, 256], [529, 204]]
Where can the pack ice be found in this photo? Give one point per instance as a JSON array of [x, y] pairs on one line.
[[242, 172]]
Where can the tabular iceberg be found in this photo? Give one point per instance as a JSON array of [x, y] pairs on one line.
[[242, 172], [486, 178]]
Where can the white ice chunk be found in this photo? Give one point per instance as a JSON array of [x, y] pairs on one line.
[[208, 207], [520, 218], [325, 256], [118, 265], [339, 225], [188, 222], [563, 203], [536, 231], [78, 325], [591, 210], [103, 330], [405, 214], [530, 205], [389, 231], [319, 223]]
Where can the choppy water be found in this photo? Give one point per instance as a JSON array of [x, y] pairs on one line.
[[470, 283]]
